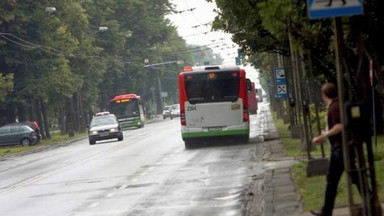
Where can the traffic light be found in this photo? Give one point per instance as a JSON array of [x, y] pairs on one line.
[[237, 61], [240, 54]]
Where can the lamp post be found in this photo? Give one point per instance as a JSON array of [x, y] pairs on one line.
[[160, 97], [159, 102], [50, 10]]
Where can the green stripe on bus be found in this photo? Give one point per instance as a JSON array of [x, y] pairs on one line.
[[133, 123], [214, 133]]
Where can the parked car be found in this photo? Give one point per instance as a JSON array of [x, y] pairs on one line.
[[32, 125], [166, 112], [17, 134], [35, 127], [104, 126], [175, 110]]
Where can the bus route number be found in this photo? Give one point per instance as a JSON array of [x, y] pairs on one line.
[[191, 108]]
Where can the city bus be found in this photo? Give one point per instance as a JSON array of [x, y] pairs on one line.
[[213, 103], [128, 109], [252, 102]]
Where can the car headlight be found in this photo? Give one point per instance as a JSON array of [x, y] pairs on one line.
[[113, 129], [93, 132]]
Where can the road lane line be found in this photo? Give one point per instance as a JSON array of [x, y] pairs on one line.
[[93, 205], [110, 195]]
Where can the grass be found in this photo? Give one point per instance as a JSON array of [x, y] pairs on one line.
[[312, 189], [55, 138], [293, 147]]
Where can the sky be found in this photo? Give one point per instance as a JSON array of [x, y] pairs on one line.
[[194, 26]]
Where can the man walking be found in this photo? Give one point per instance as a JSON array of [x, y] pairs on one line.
[[333, 133]]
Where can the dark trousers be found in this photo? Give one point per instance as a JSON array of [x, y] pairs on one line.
[[335, 170]]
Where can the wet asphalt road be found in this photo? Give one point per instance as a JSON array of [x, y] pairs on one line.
[[148, 173]]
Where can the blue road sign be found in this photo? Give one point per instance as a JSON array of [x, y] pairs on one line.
[[280, 83], [281, 91], [334, 8], [280, 76]]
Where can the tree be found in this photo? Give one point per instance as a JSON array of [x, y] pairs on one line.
[[6, 85], [65, 68]]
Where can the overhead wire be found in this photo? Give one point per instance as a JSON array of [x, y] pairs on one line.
[[206, 33], [28, 46], [56, 52]]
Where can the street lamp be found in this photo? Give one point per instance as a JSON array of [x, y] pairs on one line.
[[50, 10], [103, 29], [158, 102]]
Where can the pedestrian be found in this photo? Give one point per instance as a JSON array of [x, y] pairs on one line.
[[34, 125], [36, 128], [330, 3], [334, 134]]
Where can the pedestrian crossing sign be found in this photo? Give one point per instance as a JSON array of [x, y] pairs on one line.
[[334, 8]]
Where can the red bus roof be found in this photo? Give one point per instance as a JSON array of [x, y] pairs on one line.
[[208, 68], [125, 96]]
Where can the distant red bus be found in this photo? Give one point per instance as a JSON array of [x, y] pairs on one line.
[[213, 103], [128, 109], [252, 102]]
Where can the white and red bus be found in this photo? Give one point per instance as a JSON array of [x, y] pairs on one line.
[[252, 102], [128, 109], [213, 103]]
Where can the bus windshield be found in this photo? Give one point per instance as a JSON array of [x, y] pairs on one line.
[[212, 87], [125, 108]]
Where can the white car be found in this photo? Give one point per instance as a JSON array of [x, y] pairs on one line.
[[175, 110], [104, 126], [166, 112]]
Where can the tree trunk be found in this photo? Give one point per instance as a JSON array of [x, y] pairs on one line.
[[82, 117], [61, 121], [75, 106], [21, 113], [39, 118], [69, 117], [31, 110], [45, 118]]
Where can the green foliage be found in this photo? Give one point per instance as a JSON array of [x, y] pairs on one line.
[[63, 55], [264, 27], [6, 85], [244, 21], [322, 116], [312, 189], [293, 147]]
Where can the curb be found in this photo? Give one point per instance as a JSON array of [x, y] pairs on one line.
[[278, 188], [61, 144]]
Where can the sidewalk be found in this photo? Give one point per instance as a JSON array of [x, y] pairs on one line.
[[281, 197]]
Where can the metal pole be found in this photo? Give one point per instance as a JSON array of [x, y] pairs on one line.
[[373, 100], [160, 103], [340, 86]]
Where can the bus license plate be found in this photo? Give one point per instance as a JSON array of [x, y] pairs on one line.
[[215, 128]]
